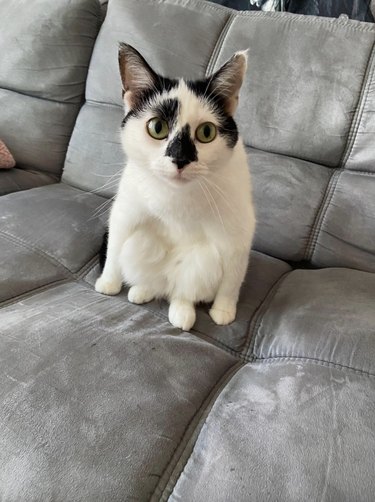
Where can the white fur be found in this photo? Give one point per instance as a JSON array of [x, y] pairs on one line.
[[185, 237]]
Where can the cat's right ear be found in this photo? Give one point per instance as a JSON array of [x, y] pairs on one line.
[[136, 75]]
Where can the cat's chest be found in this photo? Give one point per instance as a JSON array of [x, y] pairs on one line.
[[178, 233]]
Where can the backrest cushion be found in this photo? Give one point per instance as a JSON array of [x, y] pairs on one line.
[[45, 50]]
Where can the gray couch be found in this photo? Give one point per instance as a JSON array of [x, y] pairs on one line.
[[102, 400]]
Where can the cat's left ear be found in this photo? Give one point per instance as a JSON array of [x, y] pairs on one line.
[[228, 79], [136, 75]]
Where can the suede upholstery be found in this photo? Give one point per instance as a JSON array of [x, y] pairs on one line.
[[102, 400], [45, 50]]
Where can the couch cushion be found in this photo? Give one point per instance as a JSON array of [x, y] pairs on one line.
[[46, 48], [360, 151], [49, 234], [263, 274], [307, 110], [95, 159], [344, 234], [96, 395], [287, 195], [325, 315], [282, 432], [16, 179]]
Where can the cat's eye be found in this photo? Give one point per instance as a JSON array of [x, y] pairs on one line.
[[206, 132], [157, 128]]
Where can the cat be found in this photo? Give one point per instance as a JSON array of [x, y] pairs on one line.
[[182, 222]]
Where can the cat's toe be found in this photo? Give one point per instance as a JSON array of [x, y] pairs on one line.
[[107, 287], [182, 315], [139, 295], [223, 316]]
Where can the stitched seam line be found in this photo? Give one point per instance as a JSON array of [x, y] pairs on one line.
[[77, 104], [50, 285], [183, 451], [324, 213], [39, 252], [361, 105], [321, 214], [320, 362], [323, 207], [318, 216], [257, 318], [334, 22], [32, 292], [92, 102], [219, 44]]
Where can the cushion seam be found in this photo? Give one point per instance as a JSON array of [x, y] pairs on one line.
[[71, 103], [321, 362], [32, 292], [324, 213], [321, 213], [256, 319], [37, 251], [219, 44], [361, 104], [184, 448], [334, 22]]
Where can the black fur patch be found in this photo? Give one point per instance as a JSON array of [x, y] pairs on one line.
[[167, 110], [144, 98], [227, 126], [182, 149], [103, 251]]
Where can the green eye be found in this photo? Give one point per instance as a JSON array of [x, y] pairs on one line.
[[157, 128], [206, 132]]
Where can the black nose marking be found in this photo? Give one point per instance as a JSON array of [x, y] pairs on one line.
[[182, 149], [180, 163]]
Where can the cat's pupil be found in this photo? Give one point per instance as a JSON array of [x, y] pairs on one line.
[[207, 131], [158, 127]]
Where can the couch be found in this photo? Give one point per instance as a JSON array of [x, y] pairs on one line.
[[103, 400]]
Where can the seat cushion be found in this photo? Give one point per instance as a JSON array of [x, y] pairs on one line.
[[264, 272], [95, 395], [326, 315], [283, 432], [48, 234]]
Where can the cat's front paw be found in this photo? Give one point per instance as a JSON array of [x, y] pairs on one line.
[[139, 295], [223, 313], [107, 287], [181, 314]]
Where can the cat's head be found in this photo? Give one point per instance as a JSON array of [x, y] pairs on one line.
[[179, 130]]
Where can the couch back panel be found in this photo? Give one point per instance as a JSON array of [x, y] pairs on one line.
[[45, 51], [306, 115], [303, 83]]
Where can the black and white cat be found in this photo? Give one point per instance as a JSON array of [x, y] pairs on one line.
[[182, 222]]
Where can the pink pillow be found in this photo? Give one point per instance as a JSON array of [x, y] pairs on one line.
[[6, 159]]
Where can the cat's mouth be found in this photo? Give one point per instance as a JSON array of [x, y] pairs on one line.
[[177, 178]]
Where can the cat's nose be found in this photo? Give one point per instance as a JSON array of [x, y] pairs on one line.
[[180, 163]]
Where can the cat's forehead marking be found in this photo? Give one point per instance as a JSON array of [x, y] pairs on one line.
[[167, 109], [192, 108]]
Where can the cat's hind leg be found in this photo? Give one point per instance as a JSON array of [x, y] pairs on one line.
[[142, 262], [193, 276]]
